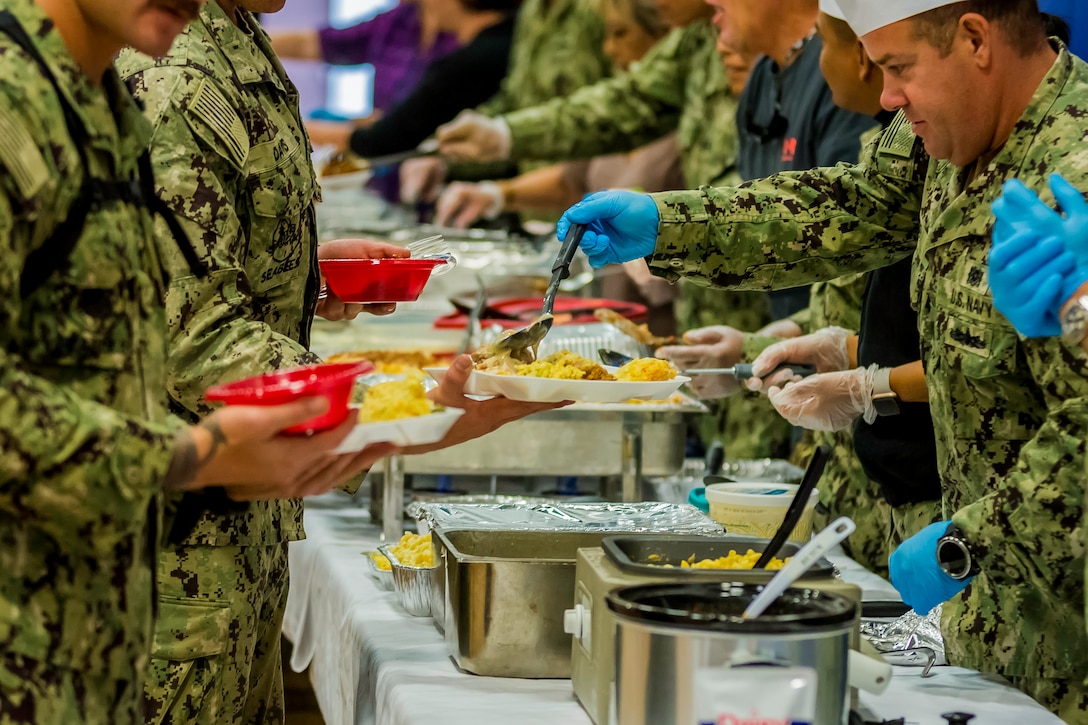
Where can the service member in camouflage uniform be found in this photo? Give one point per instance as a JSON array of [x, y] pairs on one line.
[[231, 154], [557, 49], [88, 443], [233, 162], [1008, 413]]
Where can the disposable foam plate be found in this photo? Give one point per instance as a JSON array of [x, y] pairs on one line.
[[415, 431], [553, 390]]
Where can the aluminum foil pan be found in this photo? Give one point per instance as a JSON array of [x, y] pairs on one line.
[[611, 517], [911, 639], [420, 498], [412, 584], [382, 578]]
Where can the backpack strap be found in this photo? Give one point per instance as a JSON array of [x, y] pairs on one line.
[[54, 253]]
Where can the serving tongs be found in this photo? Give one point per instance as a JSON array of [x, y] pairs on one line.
[[797, 506], [522, 344]]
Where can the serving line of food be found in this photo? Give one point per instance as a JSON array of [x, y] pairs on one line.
[[371, 661]]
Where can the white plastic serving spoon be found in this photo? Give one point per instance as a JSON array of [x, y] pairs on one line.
[[809, 554]]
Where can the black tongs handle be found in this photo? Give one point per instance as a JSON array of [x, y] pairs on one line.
[[797, 506], [561, 267]]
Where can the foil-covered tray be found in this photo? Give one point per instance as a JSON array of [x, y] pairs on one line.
[[618, 517], [770, 470]]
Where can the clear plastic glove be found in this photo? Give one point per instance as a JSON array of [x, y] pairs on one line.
[[621, 226], [1028, 280], [824, 349], [463, 203], [827, 401], [421, 179], [708, 347], [473, 136], [917, 575]]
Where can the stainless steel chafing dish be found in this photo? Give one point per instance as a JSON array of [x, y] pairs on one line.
[[626, 440], [508, 585]]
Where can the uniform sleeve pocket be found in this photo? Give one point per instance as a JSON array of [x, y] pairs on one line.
[[190, 629]]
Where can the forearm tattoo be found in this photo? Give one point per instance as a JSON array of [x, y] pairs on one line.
[[187, 459]]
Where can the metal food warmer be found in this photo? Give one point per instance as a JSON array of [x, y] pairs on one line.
[[628, 440]]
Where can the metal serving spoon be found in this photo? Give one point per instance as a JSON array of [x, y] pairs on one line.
[[517, 343], [742, 371]]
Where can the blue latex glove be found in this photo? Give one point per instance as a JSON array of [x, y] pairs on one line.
[[1019, 209], [1028, 280], [620, 226], [915, 572]]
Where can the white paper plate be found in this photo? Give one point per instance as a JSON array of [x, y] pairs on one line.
[[404, 432], [552, 390], [350, 181]]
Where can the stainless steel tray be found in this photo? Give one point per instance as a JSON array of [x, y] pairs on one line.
[[506, 592], [647, 555]]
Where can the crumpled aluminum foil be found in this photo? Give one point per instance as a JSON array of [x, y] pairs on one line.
[[619, 517], [909, 640]]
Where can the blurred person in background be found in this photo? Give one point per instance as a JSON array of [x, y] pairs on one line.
[[632, 27], [400, 43], [232, 161], [557, 49], [461, 79]]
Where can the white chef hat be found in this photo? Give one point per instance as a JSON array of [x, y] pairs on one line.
[[865, 16], [830, 7]]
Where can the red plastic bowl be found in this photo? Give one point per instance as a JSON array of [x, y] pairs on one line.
[[333, 381], [378, 280]]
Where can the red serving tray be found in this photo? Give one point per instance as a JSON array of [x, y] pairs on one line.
[[568, 311]]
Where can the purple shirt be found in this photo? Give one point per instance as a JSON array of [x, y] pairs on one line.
[[389, 42]]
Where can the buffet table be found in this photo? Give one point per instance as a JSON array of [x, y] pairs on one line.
[[372, 663]]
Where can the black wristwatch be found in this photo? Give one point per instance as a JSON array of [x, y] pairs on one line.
[[954, 556]]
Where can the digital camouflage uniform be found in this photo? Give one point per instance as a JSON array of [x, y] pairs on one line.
[[679, 85], [233, 161], [86, 435], [1008, 413]]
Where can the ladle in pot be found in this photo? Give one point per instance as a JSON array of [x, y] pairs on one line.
[[517, 342], [809, 554]]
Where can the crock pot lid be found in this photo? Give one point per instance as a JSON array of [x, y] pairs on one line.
[[719, 607]]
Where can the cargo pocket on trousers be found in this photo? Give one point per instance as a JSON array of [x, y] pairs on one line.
[[184, 683]]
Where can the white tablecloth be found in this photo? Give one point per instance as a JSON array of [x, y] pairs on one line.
[[372, 663]]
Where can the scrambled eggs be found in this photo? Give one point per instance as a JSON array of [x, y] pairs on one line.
[[646, 369], [380, 561], [565, 365], [733, 561], [394, 400], [414, 550]]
